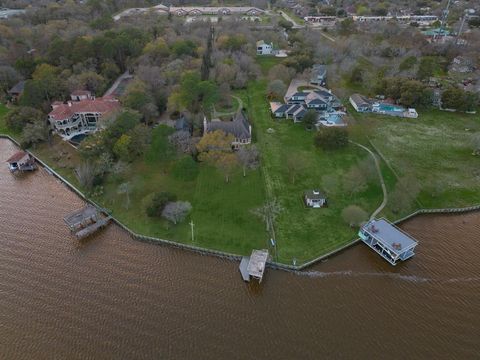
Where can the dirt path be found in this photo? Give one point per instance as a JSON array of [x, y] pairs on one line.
[[382, 181]]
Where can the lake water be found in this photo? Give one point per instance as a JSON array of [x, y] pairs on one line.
[[112, 297]]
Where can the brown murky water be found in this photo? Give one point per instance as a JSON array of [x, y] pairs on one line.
[[113, 297]]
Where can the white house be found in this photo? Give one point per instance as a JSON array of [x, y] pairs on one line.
[[80, 117], [264, 48], [315, 199]]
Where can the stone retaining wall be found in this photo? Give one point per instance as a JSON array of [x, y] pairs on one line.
[[221, 254]]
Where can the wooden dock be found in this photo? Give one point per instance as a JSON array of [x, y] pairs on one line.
[[92, 228], [86, 221], [254, 266]]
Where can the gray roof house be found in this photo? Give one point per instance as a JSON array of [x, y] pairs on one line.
[[319, 75], [315, 199], [17, 90], [239, 127], [360, 103]]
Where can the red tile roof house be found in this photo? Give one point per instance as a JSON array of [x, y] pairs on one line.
[[81, 117]]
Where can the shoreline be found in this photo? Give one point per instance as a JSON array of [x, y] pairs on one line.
[[222, 254]]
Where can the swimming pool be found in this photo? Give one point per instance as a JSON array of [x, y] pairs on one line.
[[388, 107]]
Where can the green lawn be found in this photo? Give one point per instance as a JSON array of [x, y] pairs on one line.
[[436, 149], [221, 211], [304, 233]]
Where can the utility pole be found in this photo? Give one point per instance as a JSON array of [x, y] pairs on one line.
[[192, 225]]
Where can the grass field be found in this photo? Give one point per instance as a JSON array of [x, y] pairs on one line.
[[437, 149], [304, 233]]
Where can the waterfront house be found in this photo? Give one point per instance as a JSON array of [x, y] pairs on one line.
[[264, 48], [80, 117], [319, 75], [21, 161], [78, 95], [360, 103], [239, 127], [388, 241], [315, 199], [16, 91]]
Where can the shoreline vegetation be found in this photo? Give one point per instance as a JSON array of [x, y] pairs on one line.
[[301, 234]]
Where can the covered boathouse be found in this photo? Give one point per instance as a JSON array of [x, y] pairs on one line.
[[388, 240], [21, 161]]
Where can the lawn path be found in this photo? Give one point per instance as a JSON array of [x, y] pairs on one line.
[[382, 181]]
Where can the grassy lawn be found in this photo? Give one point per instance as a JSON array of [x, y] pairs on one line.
[[304, 233], [221, 211], [436, 149], [267, 62]]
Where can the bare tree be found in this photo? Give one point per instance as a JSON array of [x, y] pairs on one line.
[[268, 213], [176, 211], [354, 181], [182, 140], [85, 174], [124, 188], [354, 215], [295, 165], [249, 157]]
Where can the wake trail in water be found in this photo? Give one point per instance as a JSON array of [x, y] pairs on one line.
[[401, 277]]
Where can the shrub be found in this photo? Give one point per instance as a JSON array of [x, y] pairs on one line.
[[158, 203], [354, 215], [331, 138]]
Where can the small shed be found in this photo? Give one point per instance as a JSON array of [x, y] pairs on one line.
[[21, 161], [315, 199]]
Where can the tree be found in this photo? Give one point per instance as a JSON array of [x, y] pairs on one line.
[[354, 181], [296, 163], [85, 173], [215, 148], [122, 148], [276, 89], [182, 140], [310, 119], [268, 213], [195, 94], [354, 215], [21, 116], [456, 98], [158, 203], [287, 25], [404, 194], [176, 211], [331, 138], [35, 132], [124, 188], [249, 157]]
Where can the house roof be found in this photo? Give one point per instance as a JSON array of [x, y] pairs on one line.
[[293, 108], [238, 127], [315, 195], [65, 111], [17, 88], [17, 157], [81, 92], [391, 236], [299, 93], [359, 100]]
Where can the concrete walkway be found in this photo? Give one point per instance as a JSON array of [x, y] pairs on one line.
[[291, 20], [125, 75], [382, 181]]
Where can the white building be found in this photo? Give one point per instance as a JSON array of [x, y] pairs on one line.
[[264, 48]]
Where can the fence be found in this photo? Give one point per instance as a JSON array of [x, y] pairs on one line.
[[221, 254]]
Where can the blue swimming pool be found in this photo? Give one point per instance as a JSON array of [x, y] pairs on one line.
[[390, 108]]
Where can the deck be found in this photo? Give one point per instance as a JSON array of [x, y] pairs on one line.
[[81, 217], [92, 228]]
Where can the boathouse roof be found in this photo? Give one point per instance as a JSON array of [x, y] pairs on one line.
[[391, 236], [17, 157]]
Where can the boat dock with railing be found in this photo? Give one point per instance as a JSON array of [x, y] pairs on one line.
[[387, 240]]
